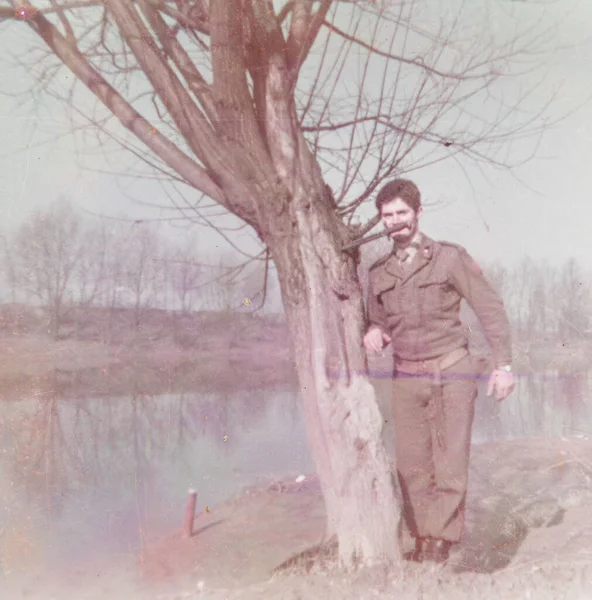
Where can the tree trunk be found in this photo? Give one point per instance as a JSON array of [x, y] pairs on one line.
[[55, 311], [325, 310], [324, 306]]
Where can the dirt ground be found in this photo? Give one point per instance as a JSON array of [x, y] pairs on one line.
[[529, 526], [529, 535]]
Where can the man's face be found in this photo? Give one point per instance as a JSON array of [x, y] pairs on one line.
[[396, 211]]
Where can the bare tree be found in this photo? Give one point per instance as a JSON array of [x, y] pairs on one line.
[[8, 268], [46, 251], [259, 284], [222, 293], [256, 105], [545, 303], [185, 277], [575, 305], [92, 276], [140, 270], [539, 302]]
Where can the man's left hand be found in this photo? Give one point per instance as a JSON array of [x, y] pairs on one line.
[[503, 384]]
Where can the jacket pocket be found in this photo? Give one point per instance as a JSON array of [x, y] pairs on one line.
[[383, 285], [433, 293]]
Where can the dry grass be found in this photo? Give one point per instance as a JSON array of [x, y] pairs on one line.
[[102, 352], [529, 536]]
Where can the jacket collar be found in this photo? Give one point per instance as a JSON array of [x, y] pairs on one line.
[[420, 260]]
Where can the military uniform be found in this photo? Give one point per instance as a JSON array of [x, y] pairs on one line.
[[417, 303]]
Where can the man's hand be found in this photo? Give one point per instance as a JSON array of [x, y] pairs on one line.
[[502, 382], [375, 340]]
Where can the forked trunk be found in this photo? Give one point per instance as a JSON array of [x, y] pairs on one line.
[[324, 306]]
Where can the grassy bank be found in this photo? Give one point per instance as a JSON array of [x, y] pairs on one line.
[[105, 352]]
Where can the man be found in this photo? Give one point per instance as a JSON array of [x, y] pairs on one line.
[[414, 298]]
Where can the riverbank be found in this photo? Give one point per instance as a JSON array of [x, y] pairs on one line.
[[102, 352], [165, 354], [529, 534], [529, 530]]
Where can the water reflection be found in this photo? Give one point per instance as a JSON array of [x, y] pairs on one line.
[[92, 476], [88, 477], [550, 404]]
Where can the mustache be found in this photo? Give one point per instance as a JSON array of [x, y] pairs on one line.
[[375, 236]]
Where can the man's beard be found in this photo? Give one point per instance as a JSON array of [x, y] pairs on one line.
[[404, 236]]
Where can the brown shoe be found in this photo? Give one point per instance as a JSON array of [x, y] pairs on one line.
[[416, 555], [435, 550]]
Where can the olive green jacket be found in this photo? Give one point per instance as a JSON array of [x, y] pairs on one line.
[[418, 304]]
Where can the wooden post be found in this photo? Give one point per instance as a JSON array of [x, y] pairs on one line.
[[190, 513]]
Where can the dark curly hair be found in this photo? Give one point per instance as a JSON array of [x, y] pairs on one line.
[[399, 188]]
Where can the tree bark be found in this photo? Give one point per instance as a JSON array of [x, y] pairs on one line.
[[324, 307], [325, 311]]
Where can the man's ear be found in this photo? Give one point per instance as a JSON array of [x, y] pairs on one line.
[[419, 212]]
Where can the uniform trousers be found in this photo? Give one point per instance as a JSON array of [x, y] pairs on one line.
[[433, 417]]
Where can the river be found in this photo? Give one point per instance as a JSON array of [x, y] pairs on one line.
[[85, 478]]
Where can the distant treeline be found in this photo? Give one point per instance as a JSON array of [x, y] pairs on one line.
[[543, 301], [61, 260]]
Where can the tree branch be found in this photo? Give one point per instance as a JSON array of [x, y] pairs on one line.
[[417, 62], [131, 119], [70, 37], [234, 104], [285, 11], [369, 226], [194, 17], [23, 9], [195, 81], [301, 15], [190, 121], [304, 37]]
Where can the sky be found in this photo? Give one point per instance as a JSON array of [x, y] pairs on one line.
[[542, 209]]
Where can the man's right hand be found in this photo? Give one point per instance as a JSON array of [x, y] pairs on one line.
[[375, 340]]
